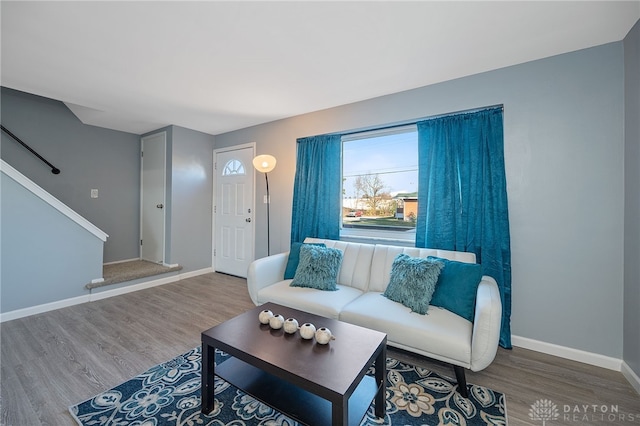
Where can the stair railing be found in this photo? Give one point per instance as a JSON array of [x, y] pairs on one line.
[[54, 169]]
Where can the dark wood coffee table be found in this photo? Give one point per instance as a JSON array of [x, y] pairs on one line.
[[311, 383]]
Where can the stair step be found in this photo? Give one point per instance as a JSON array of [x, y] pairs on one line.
[[114, 273]]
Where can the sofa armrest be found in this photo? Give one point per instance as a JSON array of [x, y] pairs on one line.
[[264, 272], [486, 324]]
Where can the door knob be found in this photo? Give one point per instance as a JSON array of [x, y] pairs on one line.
[[248, 219], [159, 206]]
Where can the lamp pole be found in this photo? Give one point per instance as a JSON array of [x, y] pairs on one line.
[[265, 163], [266, 179]]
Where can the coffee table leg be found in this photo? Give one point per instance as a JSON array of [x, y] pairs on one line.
[[381, 381], [208, 378], [340, 412]]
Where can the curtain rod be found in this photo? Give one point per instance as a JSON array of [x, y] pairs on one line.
[[417, 120]]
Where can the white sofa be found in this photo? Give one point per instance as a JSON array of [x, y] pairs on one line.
[[363, 277]]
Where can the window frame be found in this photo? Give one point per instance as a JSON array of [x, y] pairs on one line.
[[396, 237]]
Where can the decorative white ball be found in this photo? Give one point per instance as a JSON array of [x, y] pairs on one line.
[[290, 325], [324, 336], [264, 316], [276, 322], [307, 331]]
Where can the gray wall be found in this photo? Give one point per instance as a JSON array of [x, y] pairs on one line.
[[191, 198], [93, 157], [188, 198], [88, 156], [46, 257], [564, 155], [188, 201], [632, 200]]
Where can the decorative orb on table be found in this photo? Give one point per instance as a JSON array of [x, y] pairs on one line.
[[264, 316], [324, 336], [276, 322], [290, 325], [307, 331]]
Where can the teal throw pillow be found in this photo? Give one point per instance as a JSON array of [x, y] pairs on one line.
[[413, 281], [318, 268], [457, 287], [294, 259]]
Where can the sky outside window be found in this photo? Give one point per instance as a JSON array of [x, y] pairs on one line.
[[393, 157]]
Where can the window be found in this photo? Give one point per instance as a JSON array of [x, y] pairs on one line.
[[233, 167], [380, 184]]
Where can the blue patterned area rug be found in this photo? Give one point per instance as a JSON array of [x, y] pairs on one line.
[[169, 394]]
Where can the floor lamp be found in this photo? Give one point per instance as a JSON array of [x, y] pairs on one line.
[[266, 163]]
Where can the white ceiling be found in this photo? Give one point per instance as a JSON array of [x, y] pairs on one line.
[[221, 66]]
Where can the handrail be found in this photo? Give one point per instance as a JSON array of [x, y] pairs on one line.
[[54, 169]]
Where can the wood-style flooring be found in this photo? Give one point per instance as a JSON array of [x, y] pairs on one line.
[[52, 360]]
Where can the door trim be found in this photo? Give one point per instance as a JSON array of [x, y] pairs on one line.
[[251, 145]]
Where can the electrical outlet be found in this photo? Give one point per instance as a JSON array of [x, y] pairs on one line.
[[94, 193]]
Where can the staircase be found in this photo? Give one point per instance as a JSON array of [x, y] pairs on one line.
[[48, 252]]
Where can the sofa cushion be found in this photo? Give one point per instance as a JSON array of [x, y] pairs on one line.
[[294, 259], [325, 303], [441, 334], [413, 281], [457, 287], [356, 262], [318, 268], [384, 256]]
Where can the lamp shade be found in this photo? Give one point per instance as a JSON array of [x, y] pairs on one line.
[[264, 163]]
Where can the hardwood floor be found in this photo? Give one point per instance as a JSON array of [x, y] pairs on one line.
[[52, 360]]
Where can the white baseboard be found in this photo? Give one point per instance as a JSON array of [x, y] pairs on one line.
[[590, 358], [122, 261], [131, 288], [147, 284], [46, 307], [52, 306], [196, 273], [631, 376]]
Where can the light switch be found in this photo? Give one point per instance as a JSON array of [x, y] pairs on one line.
[[94, 193]]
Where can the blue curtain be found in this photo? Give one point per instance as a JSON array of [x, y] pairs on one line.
[[462, 194], [317, 188]]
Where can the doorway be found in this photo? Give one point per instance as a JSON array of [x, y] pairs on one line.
[[233, 225], [152, 197]]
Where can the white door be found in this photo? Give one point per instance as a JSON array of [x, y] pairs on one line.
[[233, 211], [152, 199]]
